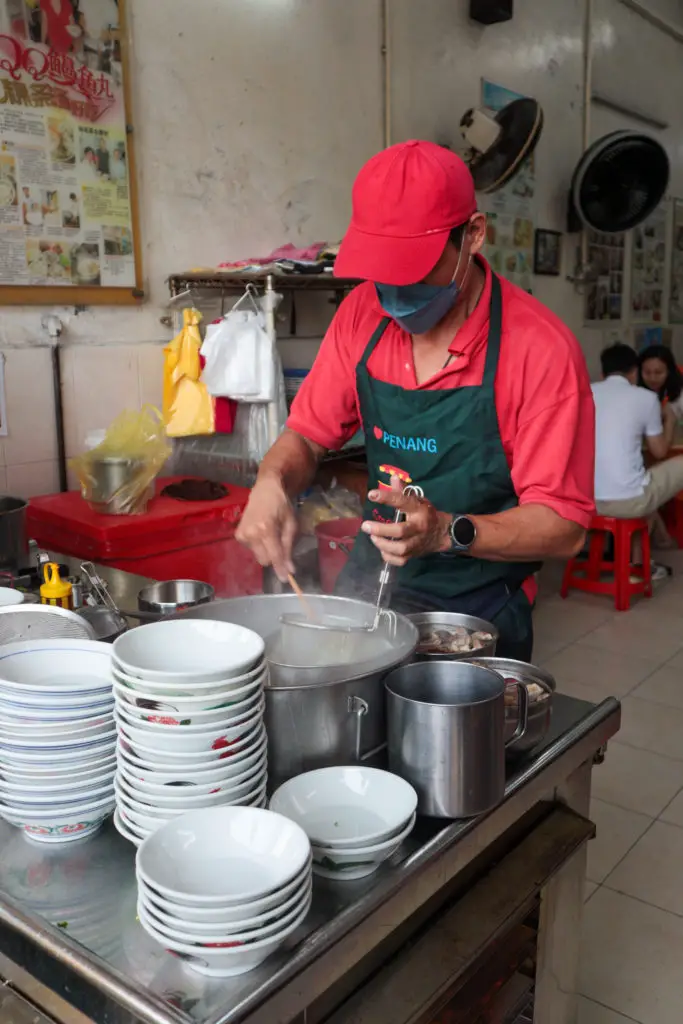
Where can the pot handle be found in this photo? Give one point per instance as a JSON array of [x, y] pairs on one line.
[[523, 714], [358, 707]]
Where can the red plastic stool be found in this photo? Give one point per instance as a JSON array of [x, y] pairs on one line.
[[582, 574]]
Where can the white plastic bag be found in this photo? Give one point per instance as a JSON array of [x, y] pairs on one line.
[[239, 358]]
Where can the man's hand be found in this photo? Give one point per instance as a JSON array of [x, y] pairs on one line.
[[268, 526], [424, 531]]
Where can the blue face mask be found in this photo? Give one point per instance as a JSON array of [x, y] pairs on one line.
[[417, 308]]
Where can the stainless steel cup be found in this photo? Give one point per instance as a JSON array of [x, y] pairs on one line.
[[446, 722]]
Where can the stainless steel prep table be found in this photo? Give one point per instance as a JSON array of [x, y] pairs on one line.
[[70, 942]]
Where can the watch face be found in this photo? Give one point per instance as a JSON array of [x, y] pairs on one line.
[[463, 532]]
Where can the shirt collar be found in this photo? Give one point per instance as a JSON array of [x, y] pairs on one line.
[[617, 378], [473, 334]]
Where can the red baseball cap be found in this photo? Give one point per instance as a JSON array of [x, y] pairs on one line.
[[406, 201]]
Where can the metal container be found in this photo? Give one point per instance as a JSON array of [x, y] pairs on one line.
[[174, 596], [317, 717], [107, 623], [446, 722], [540, 705], [13, 540], [109, 490], [428, 621]]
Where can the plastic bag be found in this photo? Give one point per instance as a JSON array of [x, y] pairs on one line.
[[239, 358], [187, 405], [116, 476]]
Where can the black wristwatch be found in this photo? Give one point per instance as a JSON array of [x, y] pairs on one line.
[[463, 533]]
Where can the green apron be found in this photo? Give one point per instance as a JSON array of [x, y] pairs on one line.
[[448, 442]]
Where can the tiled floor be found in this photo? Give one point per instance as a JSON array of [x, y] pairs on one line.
[[632, 946]]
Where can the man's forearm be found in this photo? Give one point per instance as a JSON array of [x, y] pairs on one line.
[[293, 460], [526, 533]]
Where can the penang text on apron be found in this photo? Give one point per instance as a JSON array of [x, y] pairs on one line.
[[448, 442]]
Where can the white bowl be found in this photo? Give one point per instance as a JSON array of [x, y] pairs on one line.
[[189, 797], [50, 785], [79, 727], [127, 830], [150, 781], [225, 718], [58, 798], [222, 963], [147, 819], [184, 923], [196, 759], [188, 771], [75, 757], [9, 596], [223, 856], [265, 906], [204, 693], [40, 774], [233, 934], [171, 712], [188, 651], [55, 667], [346, 806], [61, 824], [357, 862], [189, 740], [79, 742], [39, 713]]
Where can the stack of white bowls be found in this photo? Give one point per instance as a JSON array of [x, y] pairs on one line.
[[189, 708], [57, 737], [356, 818], [224, 888]]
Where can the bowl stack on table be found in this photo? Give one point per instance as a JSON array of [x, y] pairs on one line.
[[223, 888], [57, 737], [356, 818], [189, 709]]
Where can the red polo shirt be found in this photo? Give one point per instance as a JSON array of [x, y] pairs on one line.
[[543, 396]]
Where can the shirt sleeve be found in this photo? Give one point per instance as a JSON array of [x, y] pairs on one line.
[[553, 457], [325, 409], [653, 422]]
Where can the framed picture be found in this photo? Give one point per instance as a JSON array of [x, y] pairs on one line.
[[68, 198], [547, 252]]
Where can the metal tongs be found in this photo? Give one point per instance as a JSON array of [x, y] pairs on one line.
[[386, 576], [98, 588]]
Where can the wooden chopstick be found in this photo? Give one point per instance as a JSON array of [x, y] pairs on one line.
[[302, 598]]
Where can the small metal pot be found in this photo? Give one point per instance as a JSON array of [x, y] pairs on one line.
[[174, 596], [446, 722], [109, 491], [427, 621], [540, 707], [13, 541]]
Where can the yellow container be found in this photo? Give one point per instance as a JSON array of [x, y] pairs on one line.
[[55, 590]]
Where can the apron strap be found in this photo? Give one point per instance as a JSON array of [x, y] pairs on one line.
[[495, 332], [372, 344]]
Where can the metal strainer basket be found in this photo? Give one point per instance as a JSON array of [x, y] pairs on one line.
[[42, 622]]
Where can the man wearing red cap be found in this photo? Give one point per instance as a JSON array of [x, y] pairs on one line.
[[476, 391]]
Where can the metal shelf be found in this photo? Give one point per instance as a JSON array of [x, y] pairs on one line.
[[216, 280]]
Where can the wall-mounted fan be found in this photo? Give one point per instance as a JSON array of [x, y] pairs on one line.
[[499, 143], [618, 182]]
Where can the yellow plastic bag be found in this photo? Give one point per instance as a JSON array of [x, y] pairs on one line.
[[116, 477], [188, 407]]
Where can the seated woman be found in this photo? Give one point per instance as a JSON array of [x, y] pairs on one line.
[[657, 371]]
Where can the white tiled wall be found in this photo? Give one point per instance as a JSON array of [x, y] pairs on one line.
[[97, 384]]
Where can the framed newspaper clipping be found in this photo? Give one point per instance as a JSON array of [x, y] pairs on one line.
[[68, 199]]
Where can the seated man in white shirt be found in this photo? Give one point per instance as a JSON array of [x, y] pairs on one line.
[[627, 416]]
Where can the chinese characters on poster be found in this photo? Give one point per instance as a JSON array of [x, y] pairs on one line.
[[65, 206]]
